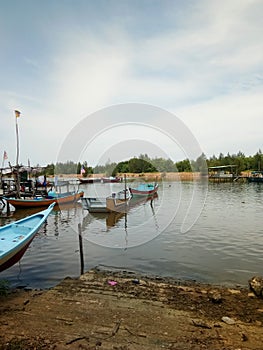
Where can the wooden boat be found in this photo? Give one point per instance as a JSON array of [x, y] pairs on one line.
[[61, 198], [17, 236], [144, 190], [111, 179], [256, 176], [116, 202], [119, 201], [90, 180], [94, 205]]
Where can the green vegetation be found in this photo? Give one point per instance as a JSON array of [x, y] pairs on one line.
[[4, 287], [243, 163], [144, 164]]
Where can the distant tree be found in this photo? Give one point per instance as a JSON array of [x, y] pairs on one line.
[[258, 161], [164, 165], [109, 168], [122, 167], [99, 169], [200, 164], [140, 166], [50, 168], [78, 168], [144, 164], [184, 166], [66, 168], [88, 170]]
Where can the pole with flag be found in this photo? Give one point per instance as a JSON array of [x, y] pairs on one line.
[[4, 158], [82, 171], [17, 115]]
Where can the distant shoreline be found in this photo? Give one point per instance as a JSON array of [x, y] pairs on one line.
[[166, 176]]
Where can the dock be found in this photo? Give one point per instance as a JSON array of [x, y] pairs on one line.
[[223, 173]]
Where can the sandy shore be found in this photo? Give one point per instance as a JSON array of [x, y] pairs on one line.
[[126, 311], [172, 176]]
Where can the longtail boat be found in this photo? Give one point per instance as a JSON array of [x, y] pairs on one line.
[[94, 204], [60, 198], [119, 201], [144, 190], [116, 202], [90, 180], [17, 236]]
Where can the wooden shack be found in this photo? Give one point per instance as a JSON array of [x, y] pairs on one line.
[[223, 173]]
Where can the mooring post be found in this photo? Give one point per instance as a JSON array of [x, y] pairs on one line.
[[7, 207], [81, 250]]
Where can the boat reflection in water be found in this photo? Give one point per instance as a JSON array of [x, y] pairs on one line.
[[117, 229], [111, 218], [59, 235]]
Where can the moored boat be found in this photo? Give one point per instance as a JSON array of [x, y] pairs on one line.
[[90, 180], [256, 176], [111, 179], [119, 201], [94, 205], [60, 198], [116, 202], [144, 190], [17, 236]]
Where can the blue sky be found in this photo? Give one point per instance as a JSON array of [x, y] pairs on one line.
[[61, 61]]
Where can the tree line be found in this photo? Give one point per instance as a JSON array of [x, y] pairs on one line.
[[145, 164]]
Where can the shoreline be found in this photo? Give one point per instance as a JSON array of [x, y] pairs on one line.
[[165, 176], [125, 310]]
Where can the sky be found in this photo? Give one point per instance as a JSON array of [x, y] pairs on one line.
[[65, 64]]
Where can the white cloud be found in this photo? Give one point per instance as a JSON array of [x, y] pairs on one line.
[[204, 64], [227, 123]]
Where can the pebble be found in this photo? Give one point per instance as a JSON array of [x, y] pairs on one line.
[[228, 320], [256, 285]]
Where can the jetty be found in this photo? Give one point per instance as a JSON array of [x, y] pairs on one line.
[[223, 173]]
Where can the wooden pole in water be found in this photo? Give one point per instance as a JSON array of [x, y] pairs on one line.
[[81, 250], [125, 192], [8, 208]]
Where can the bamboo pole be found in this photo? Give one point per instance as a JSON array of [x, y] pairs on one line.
[[17, 155]]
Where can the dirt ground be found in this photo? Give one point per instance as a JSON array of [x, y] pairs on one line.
[[125, 311]]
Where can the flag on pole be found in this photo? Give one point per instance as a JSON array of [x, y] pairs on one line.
[[82, 171], [17, 113], [5, 155]]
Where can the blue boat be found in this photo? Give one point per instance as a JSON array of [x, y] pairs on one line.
[[17, 236], [144, 190], [256, 176]]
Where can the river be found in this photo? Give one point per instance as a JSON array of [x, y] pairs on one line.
[[193, 231]]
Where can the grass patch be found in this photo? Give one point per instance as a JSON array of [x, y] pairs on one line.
[[4, 287]]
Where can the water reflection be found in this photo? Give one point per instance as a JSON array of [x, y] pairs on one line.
[[224, 246]]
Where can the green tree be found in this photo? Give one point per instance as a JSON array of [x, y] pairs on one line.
[[184, 166], [258, 161], [50, 169]]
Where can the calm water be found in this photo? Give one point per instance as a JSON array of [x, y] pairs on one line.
[[219, 240]]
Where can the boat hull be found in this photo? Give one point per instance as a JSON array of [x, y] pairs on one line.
[[255, 179], [119, 202], [13, 259], [111, 179], [117, 205], [17, 236], [44, 202], [90, 180], [144, 191], [94, 205]]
